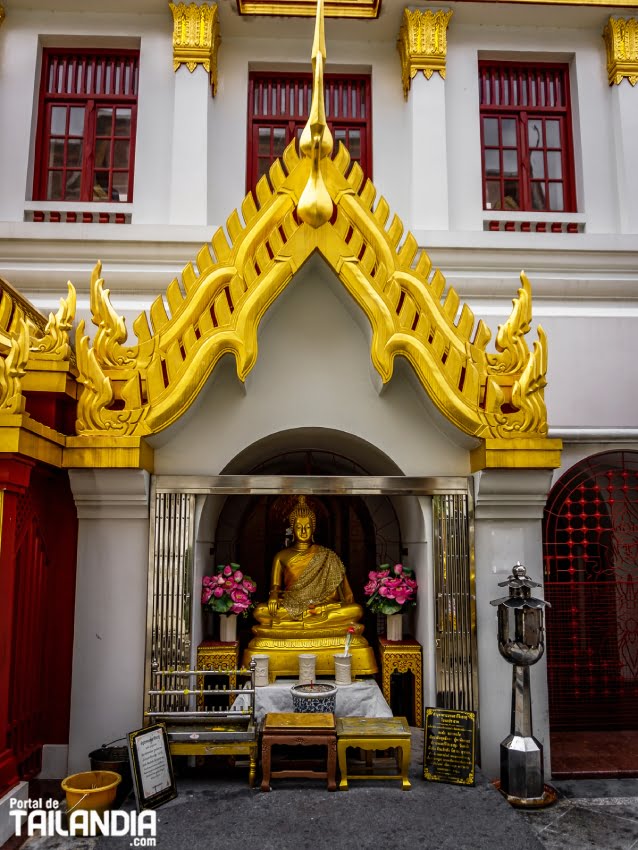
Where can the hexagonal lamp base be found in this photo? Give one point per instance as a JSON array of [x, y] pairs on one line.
[[522, 767]]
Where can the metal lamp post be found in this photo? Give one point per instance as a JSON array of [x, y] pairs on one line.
[[521, 643]]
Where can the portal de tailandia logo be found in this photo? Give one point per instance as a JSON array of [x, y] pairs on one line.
[[46, 818]]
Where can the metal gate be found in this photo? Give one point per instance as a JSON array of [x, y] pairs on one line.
[[590, 543], [455, 596], [169, 608]]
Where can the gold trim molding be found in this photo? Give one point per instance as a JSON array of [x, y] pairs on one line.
[[196, 38], [621, 41], [307, 8], [2, 14], [422, 44]]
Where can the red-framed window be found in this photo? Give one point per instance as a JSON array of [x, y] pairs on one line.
[[86, 131], [278, 108], [526, 137]]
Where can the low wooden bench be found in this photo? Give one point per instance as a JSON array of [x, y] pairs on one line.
[[299, 729], [371, 734]]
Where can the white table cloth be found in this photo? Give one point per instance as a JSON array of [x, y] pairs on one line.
[[360, 699]]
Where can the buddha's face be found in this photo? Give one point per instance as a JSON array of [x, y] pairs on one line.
[[302, 529]]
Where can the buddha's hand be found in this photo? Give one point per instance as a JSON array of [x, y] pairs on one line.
[[273, 604], [321, 611]]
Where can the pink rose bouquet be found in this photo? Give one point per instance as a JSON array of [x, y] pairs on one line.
[[391, 589], [229, 591]]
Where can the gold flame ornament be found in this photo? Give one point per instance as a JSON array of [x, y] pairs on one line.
[[315, 203]]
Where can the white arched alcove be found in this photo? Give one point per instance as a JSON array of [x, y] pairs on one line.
[[413, 516]]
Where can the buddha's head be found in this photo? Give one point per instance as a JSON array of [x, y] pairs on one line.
[[302, 520]]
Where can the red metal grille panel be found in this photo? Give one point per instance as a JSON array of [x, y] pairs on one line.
[[86, 132], [526, 142], [591, 580], [278, 107]]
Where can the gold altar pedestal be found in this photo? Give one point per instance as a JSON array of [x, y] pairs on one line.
[[217, 655], [403, 656], [283, 655]]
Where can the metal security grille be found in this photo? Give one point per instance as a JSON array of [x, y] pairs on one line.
[[454, 588], [279, 105], [590, 535], [170, 592], [526, 137]]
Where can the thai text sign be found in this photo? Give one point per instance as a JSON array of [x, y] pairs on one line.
[[151, 766], [449, 746]]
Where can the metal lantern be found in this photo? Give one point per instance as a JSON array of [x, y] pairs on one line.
[[521, 643]]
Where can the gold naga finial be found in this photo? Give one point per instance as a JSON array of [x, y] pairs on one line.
[[315, 203]]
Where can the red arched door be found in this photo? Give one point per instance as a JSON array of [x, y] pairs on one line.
[[590, 542]]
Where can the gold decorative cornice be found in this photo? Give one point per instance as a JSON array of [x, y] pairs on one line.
[[621, 42], [2, 14], [12, 301], [196, 38], [53, 344], [307, 8], [14, 365], [517, 453], [422, 44]]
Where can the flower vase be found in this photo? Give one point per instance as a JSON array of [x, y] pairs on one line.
[[227, 628], [394, 626]]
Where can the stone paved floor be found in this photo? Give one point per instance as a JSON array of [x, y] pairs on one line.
[[590, 814]]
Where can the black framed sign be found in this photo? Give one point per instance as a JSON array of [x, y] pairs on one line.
[[151, 766], [450, 743]]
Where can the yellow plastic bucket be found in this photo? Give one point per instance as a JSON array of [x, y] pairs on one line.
[[94, 790]]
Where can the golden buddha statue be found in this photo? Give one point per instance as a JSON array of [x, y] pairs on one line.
[[310, 608]]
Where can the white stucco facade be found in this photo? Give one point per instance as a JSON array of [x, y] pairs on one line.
[[313, 380]]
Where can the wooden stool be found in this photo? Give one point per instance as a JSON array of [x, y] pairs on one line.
[[374, 733], [294, 729]]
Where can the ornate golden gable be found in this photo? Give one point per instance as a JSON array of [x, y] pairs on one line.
[[217, 306]]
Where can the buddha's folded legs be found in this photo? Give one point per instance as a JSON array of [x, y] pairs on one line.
[[337, 618]]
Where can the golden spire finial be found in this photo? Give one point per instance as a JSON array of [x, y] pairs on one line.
[[315, 203]]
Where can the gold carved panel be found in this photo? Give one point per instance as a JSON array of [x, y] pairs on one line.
[[196, 38], [621, 40], [422, 44]]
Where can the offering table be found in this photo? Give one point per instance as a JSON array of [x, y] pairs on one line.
[[362, 698]]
